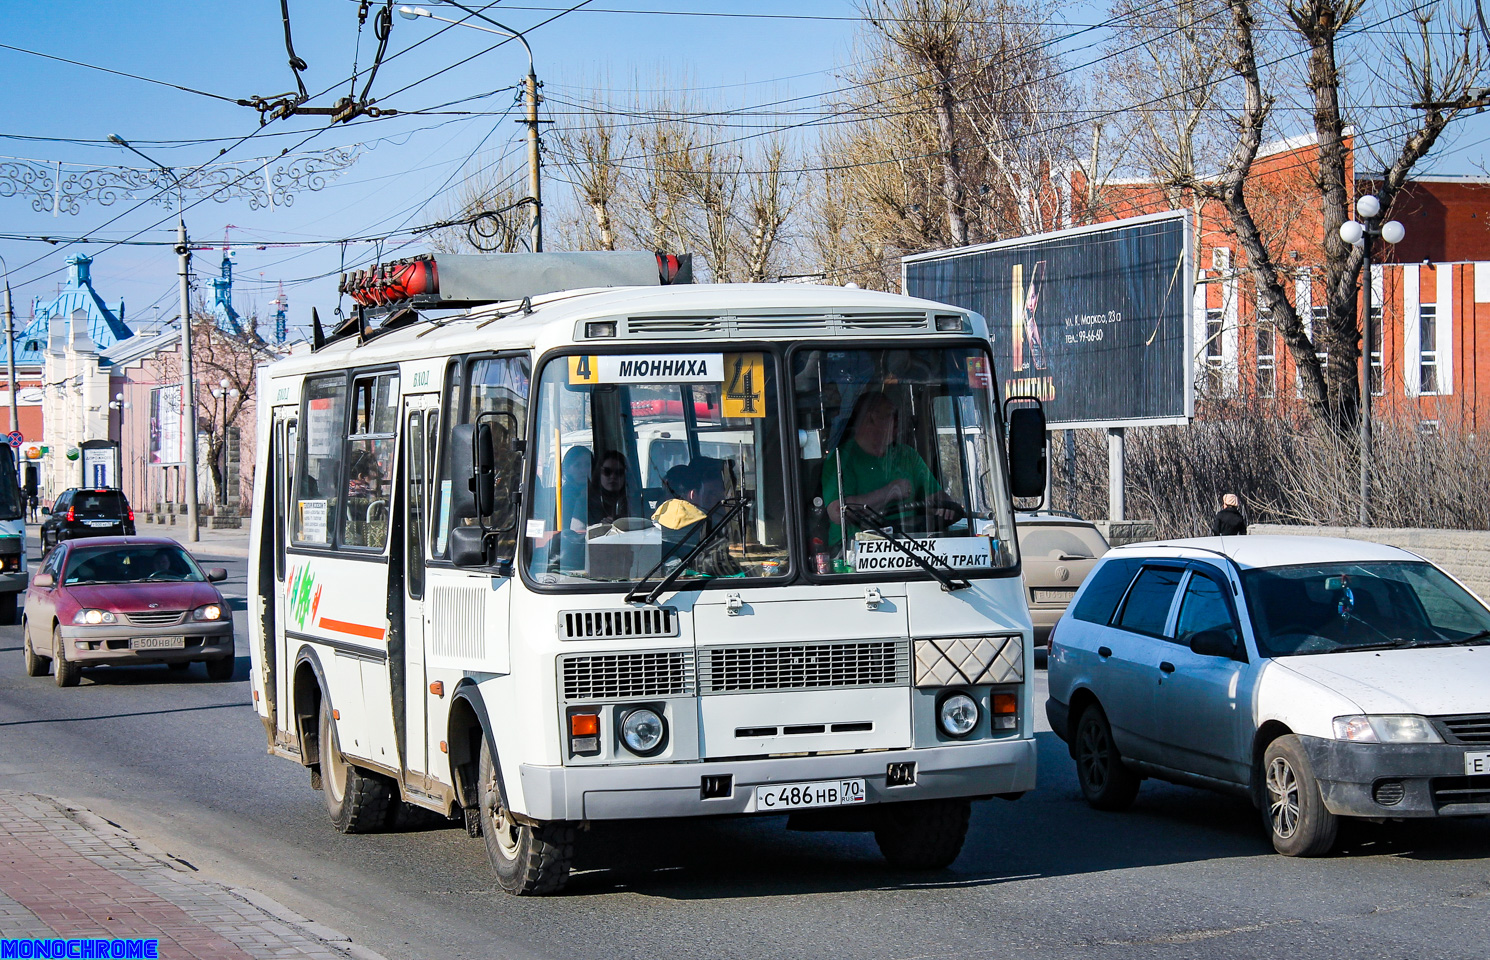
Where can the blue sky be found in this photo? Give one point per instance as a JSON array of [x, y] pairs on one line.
[[235, 49]]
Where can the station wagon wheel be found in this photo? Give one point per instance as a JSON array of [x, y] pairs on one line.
[[527, 858], [358, 802], [1293, 808], [36, 664], [1105, 780], [68, 672]]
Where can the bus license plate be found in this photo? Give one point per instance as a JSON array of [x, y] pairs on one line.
[[1476, 764], [799, 796], [157, 643]]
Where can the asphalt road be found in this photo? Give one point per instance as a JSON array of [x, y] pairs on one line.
[[181, 761]]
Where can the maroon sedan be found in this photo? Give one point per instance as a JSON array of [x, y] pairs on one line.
[[121, 600]]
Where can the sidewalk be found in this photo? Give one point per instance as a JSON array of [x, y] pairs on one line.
[[212, 543], [65, 872]]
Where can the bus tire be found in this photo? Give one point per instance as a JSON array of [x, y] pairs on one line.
[[8, 608], [922, 834], [528, 860], [68, 672], [357, 801]]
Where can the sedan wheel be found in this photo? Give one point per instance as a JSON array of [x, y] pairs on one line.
[[1105, 780], [69, 672], [36, 664], [1295, 813]]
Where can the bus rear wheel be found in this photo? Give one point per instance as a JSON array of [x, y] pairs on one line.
[[528, 859], [922, 834], [358, 802]]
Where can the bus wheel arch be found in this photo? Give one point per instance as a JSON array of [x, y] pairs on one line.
[[465, 730], [308, 689]]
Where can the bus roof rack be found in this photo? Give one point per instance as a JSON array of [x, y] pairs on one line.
[[466, 280]]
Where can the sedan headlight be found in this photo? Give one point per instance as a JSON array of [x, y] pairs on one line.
[[95, 617], [1386, 728], [958, 715], [212, 611], [643, 731]]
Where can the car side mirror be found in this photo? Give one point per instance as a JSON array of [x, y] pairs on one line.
[[46, 511], [1213, 643], [43, 580], [1027, 449], [217, 574]]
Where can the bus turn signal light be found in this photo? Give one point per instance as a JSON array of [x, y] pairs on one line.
[[584, 725], [1005, 703], [437, 688]]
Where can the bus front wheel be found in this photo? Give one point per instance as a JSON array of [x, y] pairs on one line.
[[527, 859], [922, 834]]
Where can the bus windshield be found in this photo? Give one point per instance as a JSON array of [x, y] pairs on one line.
[[640, 458], [900, 451]]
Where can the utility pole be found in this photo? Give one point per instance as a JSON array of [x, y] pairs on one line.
[[10, 358], [188, 391], [535, 186]]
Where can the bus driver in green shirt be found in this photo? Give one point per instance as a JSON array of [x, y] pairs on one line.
[[879, 473]]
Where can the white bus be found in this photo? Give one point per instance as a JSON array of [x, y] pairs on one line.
[[580, 554]]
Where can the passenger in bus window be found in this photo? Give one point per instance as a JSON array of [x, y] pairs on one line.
[[574, 489], [367, 476], [889, 478], [697, 488], [608, 497]]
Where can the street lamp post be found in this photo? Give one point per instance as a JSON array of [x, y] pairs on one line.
[[188, 392], [530, 96], [227, 394], [1359, 234]]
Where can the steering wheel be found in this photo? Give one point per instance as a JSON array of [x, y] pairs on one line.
[[160, 575]]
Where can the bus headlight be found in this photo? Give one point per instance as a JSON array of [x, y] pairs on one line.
[[643, 731], [957, 715]]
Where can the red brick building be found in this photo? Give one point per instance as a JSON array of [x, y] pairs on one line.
[[1431, 292]]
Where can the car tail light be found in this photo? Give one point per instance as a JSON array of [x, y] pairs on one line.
[[72, 513], [131, 514]]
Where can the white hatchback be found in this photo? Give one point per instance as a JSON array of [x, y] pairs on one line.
[[1322, 678]]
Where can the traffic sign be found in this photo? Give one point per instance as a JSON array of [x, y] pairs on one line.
[[15, 437]]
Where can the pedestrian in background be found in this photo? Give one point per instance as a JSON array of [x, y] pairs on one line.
[[1229, 521]]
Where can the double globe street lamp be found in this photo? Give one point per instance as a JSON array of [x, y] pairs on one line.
[[1359, 234]]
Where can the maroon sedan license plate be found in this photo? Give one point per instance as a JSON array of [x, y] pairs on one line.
[[157, 643]]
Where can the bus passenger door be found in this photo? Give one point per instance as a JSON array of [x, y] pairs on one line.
[[277, 668], [421, 425]]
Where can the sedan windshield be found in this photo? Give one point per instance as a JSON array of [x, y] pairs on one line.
[[640, 458], [899, 451], [131, 565], [1340, 607]]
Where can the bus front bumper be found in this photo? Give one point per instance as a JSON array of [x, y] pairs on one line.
[[637, 791]]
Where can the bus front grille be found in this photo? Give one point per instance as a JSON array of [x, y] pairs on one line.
[[627, 676], [804, 666], [609, 624]]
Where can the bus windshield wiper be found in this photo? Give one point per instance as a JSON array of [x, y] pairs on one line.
[[736, 504], [872, 519]]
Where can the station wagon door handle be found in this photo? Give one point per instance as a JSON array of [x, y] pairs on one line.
[[1104, 651], [1166, 666]]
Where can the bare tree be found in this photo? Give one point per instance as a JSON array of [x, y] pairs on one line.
[[489, 204], [1440, 72], [593, 152]]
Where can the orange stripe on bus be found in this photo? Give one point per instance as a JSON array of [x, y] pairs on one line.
[[352, 629]]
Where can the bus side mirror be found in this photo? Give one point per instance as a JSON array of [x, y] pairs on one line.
[[468, 546], [1027, 449], [472, 472]]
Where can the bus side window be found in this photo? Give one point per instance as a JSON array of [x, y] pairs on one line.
[[369, 460], [318, 467], [415, 498]]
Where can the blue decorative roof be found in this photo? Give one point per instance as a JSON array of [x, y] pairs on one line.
[[104, 325]]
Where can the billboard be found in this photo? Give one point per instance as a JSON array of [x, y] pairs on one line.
[[167, 443], [1095, 321]]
